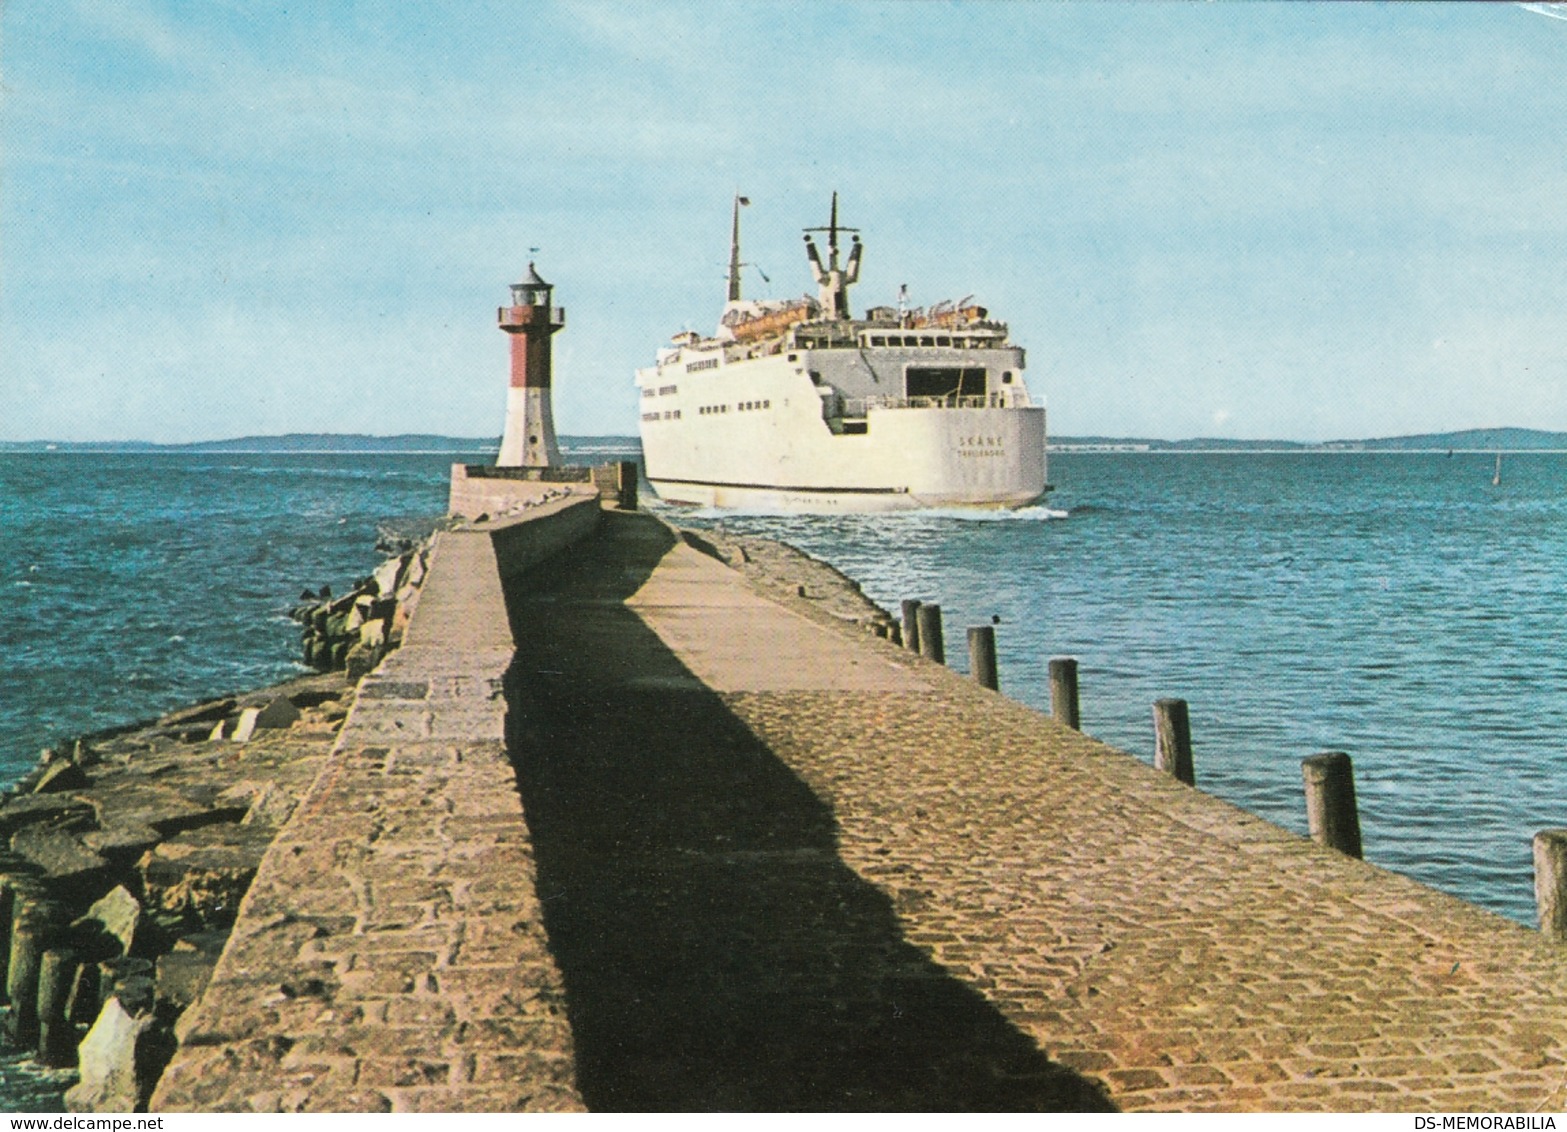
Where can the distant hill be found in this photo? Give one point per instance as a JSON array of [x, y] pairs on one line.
[[291, 442], [1474, 439], [1484, 439], [319, 442]]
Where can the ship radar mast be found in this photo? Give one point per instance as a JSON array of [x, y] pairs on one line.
[[832, 281], [734, 250]]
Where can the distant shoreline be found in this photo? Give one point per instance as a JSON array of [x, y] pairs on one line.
[[1489, 441]]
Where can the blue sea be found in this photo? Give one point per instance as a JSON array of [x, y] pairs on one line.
[[1396, 606]]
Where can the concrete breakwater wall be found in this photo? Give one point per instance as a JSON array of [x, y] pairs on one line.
[[390, 953]]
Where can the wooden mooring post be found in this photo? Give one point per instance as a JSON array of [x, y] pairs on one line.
[[911, 624], [1550, 882], [1331, 813], [929, 617], [1063, 691], [982, 656], [1172, 731]]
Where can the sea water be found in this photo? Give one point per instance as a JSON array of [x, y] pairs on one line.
[[1399, 607]]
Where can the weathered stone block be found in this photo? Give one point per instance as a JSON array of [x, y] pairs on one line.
[[19, 812], [118, 1061], [118, 914], [201, 713], [59, 854], [61, 776], [205, 872], [245, 726], [183, 975], [270, 807], [357, 662], [372, 634], [389, 575], [278, 713]]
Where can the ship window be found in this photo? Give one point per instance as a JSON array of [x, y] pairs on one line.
[[927, 340], [1006, 378], [944, 381], [767, 404], [878, 340], [794, 357], [943, 341]]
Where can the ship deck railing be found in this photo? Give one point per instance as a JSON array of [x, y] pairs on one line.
[[860, 406]]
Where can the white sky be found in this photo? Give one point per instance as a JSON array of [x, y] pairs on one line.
[[1244, 220]]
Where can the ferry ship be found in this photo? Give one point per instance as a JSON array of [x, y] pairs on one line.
[[794, 405]]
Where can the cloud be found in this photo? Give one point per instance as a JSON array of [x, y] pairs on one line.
[[135, 24], [1554, 11]]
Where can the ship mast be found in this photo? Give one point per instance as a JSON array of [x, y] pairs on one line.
[[832, 282], [734, 251]]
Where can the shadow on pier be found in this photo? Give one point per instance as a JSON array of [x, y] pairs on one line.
[[717, 953]]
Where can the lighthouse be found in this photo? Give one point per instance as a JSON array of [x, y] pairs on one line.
[[529, 436]]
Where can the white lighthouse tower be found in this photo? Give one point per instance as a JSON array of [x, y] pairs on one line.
[[529, 436]]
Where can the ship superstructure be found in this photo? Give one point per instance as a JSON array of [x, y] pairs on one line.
[[795, 405]]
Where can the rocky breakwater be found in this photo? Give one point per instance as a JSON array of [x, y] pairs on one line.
[[354, 632], [126, 854], [791, 576]]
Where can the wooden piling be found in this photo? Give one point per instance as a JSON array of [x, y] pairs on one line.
[[982, 656], [1063, 691], [1331, 813], [34, 927], [1550, 882], [56, 1035], [18, 883], [911, 624], [1172, 729], [931, 645]]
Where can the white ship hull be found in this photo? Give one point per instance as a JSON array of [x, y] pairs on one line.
[[768, 446]]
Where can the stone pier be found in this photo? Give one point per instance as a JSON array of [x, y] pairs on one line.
[[622, 832]]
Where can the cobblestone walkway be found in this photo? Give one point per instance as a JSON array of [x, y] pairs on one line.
[[789, 869]]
